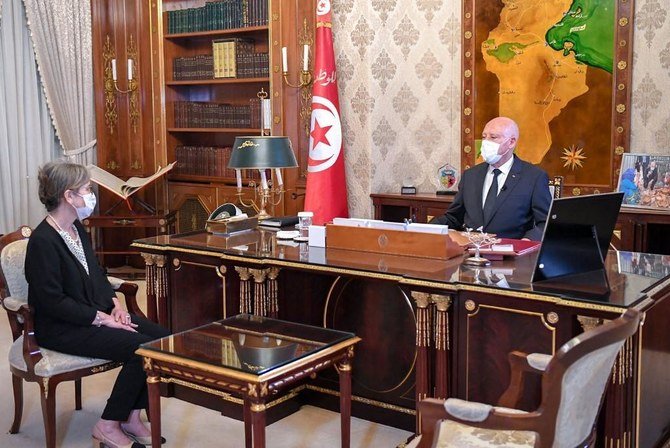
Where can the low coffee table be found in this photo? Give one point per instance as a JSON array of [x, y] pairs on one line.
[[251, 357]]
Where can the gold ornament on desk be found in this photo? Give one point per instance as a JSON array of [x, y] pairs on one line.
[[479, 239]]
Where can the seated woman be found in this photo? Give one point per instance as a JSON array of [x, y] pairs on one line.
[[76, 310]]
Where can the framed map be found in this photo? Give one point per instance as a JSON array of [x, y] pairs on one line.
[[561, 70]]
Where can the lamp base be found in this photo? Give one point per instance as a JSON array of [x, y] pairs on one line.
[[263, 215]]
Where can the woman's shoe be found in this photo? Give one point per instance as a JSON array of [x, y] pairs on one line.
[[145, 440], [101, 441]]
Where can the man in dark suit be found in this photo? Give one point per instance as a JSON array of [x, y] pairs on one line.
[[504, 195], [651, 175]]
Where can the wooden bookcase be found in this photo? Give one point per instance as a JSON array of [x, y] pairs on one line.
[[196, 194], [137, 132]]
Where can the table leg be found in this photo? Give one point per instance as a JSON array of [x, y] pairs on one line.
[[258, 424], [153, 388], [344, 370], [247, 424]]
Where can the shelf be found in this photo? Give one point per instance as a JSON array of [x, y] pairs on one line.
[[246, 131], [216, 33], [206, 82]]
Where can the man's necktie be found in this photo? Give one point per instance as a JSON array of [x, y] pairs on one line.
[[490, 202]]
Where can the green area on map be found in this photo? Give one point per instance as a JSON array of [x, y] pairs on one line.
[[504, 52], [587, 30]]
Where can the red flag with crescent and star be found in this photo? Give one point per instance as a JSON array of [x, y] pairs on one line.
[[326, 190]]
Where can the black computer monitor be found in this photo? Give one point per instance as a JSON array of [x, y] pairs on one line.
[[577, 235]]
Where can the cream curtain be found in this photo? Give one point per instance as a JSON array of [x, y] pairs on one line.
[[27, 138], [62, 39]]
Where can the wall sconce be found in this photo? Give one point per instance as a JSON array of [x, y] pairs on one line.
[[261, 153], [305, 78], [112, 89]]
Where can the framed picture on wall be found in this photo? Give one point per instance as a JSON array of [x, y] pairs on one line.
[[645, 181], [561, 69]]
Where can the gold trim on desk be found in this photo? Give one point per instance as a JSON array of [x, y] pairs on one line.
[[243, 376], [445, 285]]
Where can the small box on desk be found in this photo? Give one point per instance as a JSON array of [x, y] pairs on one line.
[[396, 242], [231, 225]]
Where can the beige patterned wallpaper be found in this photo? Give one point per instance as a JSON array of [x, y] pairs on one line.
[[399, 77]]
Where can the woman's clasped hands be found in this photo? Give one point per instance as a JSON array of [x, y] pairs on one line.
[[118, 318]]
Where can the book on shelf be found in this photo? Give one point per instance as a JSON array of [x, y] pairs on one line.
[[226, 53], [218, 15], [127, 188]]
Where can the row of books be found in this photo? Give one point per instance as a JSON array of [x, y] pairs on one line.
[[254, 65], [208, 161], [218, 15], [191, 114], [225, 52]]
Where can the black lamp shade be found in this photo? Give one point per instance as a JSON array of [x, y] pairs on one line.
[[260, 152]]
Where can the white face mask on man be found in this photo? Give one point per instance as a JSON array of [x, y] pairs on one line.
[[89, 205], [489, 151]]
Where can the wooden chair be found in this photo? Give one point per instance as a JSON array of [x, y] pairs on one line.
[[27, 361], [556, 187], [573, 387]]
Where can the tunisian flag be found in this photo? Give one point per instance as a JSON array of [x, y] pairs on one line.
[[326, 193]]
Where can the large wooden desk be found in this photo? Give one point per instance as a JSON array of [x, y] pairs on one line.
[[428, 328]]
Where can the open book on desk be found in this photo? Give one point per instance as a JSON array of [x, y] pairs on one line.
[[121, 188]]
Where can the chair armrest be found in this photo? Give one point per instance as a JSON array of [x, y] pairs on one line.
[[129, 291], [21, 322], [520, 364], [479, 415]]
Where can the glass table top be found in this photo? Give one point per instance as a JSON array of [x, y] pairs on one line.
[[248, 343]]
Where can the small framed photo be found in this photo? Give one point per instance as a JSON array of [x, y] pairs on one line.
[[645, 181]]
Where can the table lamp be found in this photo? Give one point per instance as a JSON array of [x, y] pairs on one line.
[[262, 152]]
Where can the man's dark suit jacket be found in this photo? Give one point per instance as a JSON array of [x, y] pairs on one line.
[[59, 289], [521, 206]]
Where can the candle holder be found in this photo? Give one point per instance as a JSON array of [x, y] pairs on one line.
[[262, 153], [268, 195], [479, 239], [112, 89], [305, 77]]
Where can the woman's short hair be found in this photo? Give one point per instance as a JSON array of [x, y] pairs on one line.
[[57, 177]]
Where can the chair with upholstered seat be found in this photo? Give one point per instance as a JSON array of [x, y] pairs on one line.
[[27, 360], [573, 386]]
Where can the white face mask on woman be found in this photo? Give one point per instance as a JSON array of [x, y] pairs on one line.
[[89, 205], [489, 151]]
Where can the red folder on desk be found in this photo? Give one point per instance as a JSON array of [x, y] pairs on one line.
[[508, 247]]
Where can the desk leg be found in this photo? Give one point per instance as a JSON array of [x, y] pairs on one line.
[[153, 387], [344, 369], [258, 424], [150, 274], [247, 424], [423, 339]]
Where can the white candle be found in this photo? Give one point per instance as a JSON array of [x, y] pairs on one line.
[[264, 180], [114, 69], [284, 59], [130, 69], [238, 175], [305, 58], [280, 182], [266, 114]]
